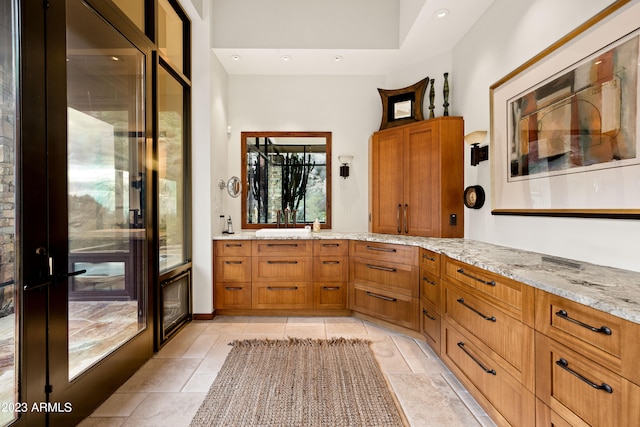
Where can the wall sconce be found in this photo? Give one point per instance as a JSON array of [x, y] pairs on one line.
[[478, 154], [345, 161]]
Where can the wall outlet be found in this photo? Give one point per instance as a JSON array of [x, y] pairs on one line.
[[453, 219]]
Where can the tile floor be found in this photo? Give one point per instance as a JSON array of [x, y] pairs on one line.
[[170, 387]]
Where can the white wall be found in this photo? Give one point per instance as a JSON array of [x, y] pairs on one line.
[[507, 35], [347, 106]]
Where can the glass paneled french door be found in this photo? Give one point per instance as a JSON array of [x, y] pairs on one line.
[[83, 142]]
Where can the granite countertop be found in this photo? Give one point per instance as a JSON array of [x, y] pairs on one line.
[[611, 290]]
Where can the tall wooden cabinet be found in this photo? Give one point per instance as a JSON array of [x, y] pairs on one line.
[[417, 179]]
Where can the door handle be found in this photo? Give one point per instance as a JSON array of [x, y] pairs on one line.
[[406, 219], [398, 220], [51, 280]]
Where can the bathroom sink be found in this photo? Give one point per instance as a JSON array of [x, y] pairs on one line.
[[283, 232]]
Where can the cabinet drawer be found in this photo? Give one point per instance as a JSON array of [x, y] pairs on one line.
[[430, 325], [232, 269], [504, 335], [430, 261], [276, 269], [398, 254], [545, 417], [330, 269], [291, 295], [487, 381], [514, 297], [232, 247], [331, 247], [430, 288], [232, 296], [282, 247], [607, 339], [578, 389], [392, 307], [397, 278], [330, 295]]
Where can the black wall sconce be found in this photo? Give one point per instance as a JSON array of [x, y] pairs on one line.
[[345, 161], [478, 154]]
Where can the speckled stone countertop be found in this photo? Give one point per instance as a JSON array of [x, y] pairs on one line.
[[607, 289]]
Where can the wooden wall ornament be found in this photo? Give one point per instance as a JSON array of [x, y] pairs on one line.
[[402, 106]]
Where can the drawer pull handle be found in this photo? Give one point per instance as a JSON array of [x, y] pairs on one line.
[[431, 282], [377, 267], [233, 262], [565, 365], [295, 245], [282, 288], [491, 319], [428, 258], [488, 371], [374, 248], [331, 288], [464, 273], [602, 329], [282, 262], [426, 313], [331, 245], [331, 262], [230, 288], [233, 245], [382, 297]]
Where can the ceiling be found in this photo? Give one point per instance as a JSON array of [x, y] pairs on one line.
[[336, 37]]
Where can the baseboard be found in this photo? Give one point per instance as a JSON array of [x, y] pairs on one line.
[[203, 316]]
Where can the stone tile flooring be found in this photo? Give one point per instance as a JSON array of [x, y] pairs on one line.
[[170, 387]]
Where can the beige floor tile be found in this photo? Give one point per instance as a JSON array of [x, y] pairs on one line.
[[120, 405], [102, 422], [200, 382], [161, 375], [266, 325], [166, 409], [346, 327], [305, 331], [388, 355]]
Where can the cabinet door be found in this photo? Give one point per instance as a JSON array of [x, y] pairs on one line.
[[421, 187], [386, 178]]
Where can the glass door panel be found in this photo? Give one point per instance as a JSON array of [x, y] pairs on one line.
[[8, 295], [105, 170]]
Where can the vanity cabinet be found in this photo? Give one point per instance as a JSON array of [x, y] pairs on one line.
[[488, 340], [384, 282], [330, 274], [430, 289], [586, 365], [416, 179], [232, 274]]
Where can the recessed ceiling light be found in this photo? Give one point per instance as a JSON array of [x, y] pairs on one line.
[[286, 58], [441, 13], [338, 58], [236, 57]]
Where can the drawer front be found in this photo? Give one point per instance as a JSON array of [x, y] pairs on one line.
[[577, 388], [514, 297], [394, 308], [545, 417], [331, 269], [397, 278], [430, 288], [232, 296], [477, 369], [232, 269], [430, 325], [331, 248], [276, 269], [398, 254], [330, 295], [506, 336], [430, 261], [291, 295], [232, 247], [282, 248], [598, 335]]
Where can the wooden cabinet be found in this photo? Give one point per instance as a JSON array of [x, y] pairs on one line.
[[232, 274], [586, 364], [488, 340], [330, 274], [430, 290], [384, 282], [416, 179]]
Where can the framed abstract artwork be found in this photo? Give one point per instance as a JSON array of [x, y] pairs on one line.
[[565, 136]]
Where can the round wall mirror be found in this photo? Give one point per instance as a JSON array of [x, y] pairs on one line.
[[233, 186]]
